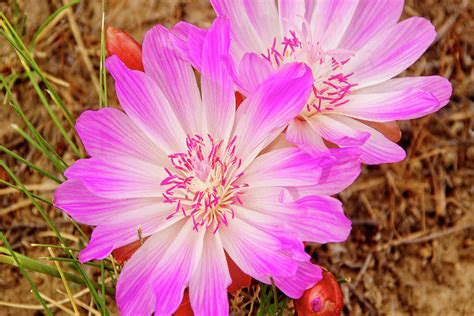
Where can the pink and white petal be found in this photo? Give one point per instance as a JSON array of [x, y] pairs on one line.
[[438, 86], [391, 52], [378, 149], [110, 134], [147, 106], [188, 39], [118, 179], [253, 71], [209, 282], [218, 95], [84, 207], [371, 17], [135, 295], [128, 228], [276, 225], [338, 175], [244, 36], [174, 76], [329, 21], [300, 133], [306, 276], [263, 115], [409, 103], [278, 143], [256, 252], [176, 267], [337, 132], [284, 167], [264, 17], [291, 14], [320, 219]]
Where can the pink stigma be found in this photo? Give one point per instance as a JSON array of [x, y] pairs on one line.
[[202, 184]]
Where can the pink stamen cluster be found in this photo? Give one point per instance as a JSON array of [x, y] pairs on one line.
[[331, 93], [289, 45], [331, 85], [203, 184]]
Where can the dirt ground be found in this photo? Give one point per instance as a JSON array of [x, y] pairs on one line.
[[411, 250]]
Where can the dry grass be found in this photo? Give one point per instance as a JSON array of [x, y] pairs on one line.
[[411, 248]]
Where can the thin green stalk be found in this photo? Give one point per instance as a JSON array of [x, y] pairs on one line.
[[37, 266], [103, 101], [42, 199], [15, 40], [29, 164], [50, 19], [40, 143], [90, 285], [92, 264], [18, 263]]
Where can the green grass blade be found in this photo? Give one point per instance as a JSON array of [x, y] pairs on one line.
[[18, 263], [100, 302], [29, 164], [50, 19], [40, 142]]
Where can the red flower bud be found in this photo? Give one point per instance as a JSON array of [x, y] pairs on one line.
[[323, 299], [129, 51]]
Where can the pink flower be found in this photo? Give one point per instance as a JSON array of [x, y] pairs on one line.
[[354, 49], [184, 171]]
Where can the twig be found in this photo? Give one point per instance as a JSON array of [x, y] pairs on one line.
[[82, 49], [66, 286]]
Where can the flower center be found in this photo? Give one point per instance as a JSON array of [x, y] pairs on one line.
[[331, 85], [203, 182]]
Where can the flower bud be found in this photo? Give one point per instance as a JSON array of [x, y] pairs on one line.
[[123, 45], [323, 299]]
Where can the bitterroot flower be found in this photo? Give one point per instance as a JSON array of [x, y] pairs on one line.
[[183, 172], [354, 49]]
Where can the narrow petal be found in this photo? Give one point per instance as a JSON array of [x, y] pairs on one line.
[[438, 86], [337, 132], [320, 219], [409, 103], [257, 253], [189, 40], [110, 133], [371, 17], [264, 17], [147, 106], [284, 167], [300, 133], [176, 267], [261, 117], [338, 175], [118, 179], [208, 285], [217, 87], [253, 71], [244, 36], [291, 14], [391, 52], [84, 207], [377, 149], [135, 295], [330, 20], [174, 76], [306, 276], [127, 228]]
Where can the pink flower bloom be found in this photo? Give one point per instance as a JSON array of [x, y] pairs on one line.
[[182, 169], [354, 49]]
